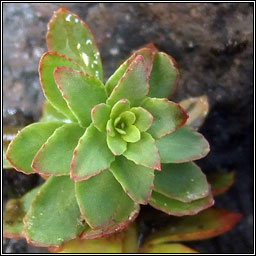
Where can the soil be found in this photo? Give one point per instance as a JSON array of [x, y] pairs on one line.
[[213, 45]]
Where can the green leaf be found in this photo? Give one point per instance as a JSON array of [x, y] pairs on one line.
[[184, 145], [28, 141], [100, 116], [100, 245], [128, 117], [133, 85], [55, 155], [81, 92], [184, 182], [146, 52], [91, 156], [15, 210], [136, 180], [132, 134], [110, 128], [116, 144], [121, 106], [49, 113], [144, 119], [206, 224], [164, 76], [51, 220], [102, 200], [48, 62], [178, 208], [197, 109], [130, 241], [119, 223], [9, 132], [69, 35], [220, 181], [168, 116], [144, 152], [167, 248]]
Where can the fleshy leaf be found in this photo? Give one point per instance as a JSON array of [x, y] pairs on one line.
[[101, 198], [119, 223], [132, 134], [146, 52], [28, 141], [206, 224], [69, 35], [110, 244], [81, 92], [128, 117], [184, 182], [52, 220], [220, 181], [91, 156], [49, 61], [144, 119], [168, 116], [144, 152], [15, 210], [167, 248], [130, 241], [49, 113], [164, 76], [136, 180], [100, 116], [178, 208], [183, 145], [55, 155], [197, 109], [9, 132], [133, 85], [110, 128], [121, 106], [116, 144]]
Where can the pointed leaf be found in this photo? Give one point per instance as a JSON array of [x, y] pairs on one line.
[[178, 208], [206, 224], [184, 145], [52, 220], [100, 198], [133, 85], [144, 152], [132, 134], [9, 132], [81, 92], [164, 76], [49, 113], [110, 244], [220, 181], [91, 156], [121, 106], [15, 210], [197, 109], [69, 35], [168, 116], [144, 119], [167, 248], [55, 155], [136, 180], [116, 144], [48, 62], [100, 116], [184, 182], [146, 52], [28, 141]]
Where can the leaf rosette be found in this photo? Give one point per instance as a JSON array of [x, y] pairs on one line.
[[101, 144]]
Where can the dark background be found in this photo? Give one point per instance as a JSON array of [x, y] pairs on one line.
[[213, 45]]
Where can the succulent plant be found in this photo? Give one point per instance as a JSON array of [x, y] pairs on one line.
[[105, 149]]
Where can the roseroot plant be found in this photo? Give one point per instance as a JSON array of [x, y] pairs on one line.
[[105, 149]]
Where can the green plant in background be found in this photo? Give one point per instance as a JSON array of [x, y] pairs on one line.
[[105, 149]]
